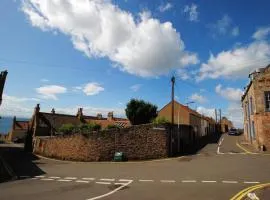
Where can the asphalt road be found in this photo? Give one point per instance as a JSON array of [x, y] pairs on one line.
[[218, 171]]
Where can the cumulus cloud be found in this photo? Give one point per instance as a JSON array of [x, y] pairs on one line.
[[51, 91], [198, 98], [92, 89], [231, 94], [136, 87], [210, 112], [165, 7], [183, 74], [234, 112], [261, 33], [192, 12], [236, 63], [224, 26], [98, 28], [17, 106], [235, 31]]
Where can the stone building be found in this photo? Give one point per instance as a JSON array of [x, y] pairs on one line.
[[3, 76], [226, 125], [256, 108], [185, 116], [47, 124], [19, 130]]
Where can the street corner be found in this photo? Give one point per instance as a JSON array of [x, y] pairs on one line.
[[255, 192]]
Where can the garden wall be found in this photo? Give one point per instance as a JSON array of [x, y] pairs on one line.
[[137, 142]]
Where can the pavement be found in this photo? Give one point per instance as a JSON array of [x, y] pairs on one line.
[[218, 171]]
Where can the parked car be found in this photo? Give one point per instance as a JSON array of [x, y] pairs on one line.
[[233, 131]]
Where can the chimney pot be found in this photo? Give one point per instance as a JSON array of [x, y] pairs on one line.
[[53, 111]]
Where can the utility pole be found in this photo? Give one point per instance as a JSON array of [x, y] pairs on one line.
[[220, 120], [173, 82], [216, 115]]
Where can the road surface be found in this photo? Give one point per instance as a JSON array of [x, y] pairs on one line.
[[218, 171]]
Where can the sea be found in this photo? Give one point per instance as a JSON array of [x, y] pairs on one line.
[[6, 124]]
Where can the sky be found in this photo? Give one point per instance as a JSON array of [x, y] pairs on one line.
[[98, 54]]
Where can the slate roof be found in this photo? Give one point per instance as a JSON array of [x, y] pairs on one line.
[[21, 125]]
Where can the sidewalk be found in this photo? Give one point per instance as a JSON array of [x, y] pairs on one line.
[[249, 148]]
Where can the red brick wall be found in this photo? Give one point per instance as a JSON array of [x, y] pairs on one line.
[[137, 142]]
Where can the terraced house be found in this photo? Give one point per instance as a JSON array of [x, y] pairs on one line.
[[256, 107]]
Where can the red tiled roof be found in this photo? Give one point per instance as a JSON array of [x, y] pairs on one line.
[[21, 125]]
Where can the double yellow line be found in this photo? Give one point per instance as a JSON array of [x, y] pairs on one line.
[[240, 195], [249, 152]]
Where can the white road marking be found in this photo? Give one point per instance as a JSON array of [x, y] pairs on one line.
[[127, 180], [47, 179], [143, 180], [251, 182], [81, 181], [111, 192], [209, 181], [104, 183], [167, 181], [88, 179], [34, 178], [107, 179], [64, 180], [54, 177], [189, 181], [229, 181], [71, 178], [39, 176]]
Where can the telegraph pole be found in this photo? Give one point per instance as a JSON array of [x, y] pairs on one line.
[[216, 115], [173, 82]]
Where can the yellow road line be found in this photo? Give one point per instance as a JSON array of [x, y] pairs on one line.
[[245, 191], [237, 144]]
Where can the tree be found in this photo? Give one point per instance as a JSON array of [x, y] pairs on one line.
[[67, 128], [140, 112]]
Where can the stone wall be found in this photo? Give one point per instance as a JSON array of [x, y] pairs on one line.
[[137, 142], [263, 129]]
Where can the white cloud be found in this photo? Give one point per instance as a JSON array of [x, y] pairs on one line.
[[261, 33], [192, 12], [231, 94], [183, 74], [198, 98], [165, 7], [224, 26], [235, 31], [17, 106], [235, 63], [92, 89], [136, 87], [98, 28], [44, 80], [50, 91], [210, 112], [234, 112]]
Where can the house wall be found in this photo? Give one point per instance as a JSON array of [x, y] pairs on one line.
[[260, 116], [16, 134], [179, 113], [137, 142]]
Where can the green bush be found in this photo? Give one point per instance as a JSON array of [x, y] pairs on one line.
[[112, 126], [67, 128], [160, 120]]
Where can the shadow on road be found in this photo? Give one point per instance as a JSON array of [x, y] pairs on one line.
[[22, 163]]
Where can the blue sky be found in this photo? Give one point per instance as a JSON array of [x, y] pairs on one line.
[[100, 54]]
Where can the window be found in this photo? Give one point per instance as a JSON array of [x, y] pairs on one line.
[[253, 131], [251, 105], [267, 100]]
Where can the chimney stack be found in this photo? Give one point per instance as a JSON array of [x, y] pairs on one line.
[[110, 116], [80, 113], [37, 109], [53, 111], [99, 116], [14, 122]]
